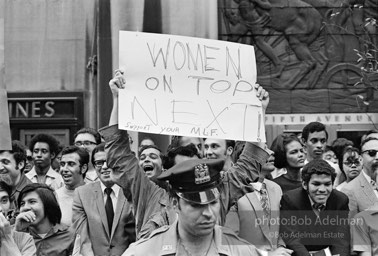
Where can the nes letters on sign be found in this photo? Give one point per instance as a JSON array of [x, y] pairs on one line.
[[189, 86]]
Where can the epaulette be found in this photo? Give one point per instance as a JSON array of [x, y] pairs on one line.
[[159, 230], [153, 233]]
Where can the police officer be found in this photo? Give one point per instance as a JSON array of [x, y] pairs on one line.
[[194, 193]]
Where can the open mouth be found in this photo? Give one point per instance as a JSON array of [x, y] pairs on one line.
[[105, 173], [148, 168], [66, 176]]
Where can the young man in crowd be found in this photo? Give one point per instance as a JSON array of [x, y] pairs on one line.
[[314, 218], [44, 148], [314, 138], [101, 215], [12, 164], [219, 149], [362, 191], [88, 138], [12, 242], [151, 161], [73, 167]]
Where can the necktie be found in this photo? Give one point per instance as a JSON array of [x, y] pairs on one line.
[[109, 208], [319, 207], [265, 200]]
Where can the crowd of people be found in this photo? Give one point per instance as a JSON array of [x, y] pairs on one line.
[[303, 195]]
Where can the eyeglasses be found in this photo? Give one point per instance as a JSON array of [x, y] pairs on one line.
[[371, 152], [99, 163], [351, 163], [85, 143]]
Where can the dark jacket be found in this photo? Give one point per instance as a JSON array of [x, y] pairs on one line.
[[303, 231]]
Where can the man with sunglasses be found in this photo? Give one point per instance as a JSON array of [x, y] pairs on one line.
[[363, 190], [101, 215]]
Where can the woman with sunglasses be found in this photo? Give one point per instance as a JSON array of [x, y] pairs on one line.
[[351, 165], [40, 216]]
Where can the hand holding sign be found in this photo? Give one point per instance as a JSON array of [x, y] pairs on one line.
[[190, 87]]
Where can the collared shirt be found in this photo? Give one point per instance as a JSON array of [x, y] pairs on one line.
[[257, 187], [113, 195], [59, 241], [53, 179], [316, 211], [368, 178], [91, 176]]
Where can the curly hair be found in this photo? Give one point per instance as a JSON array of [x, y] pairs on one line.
[[19, 152], [317, 166], [313, 127], [48, 139]]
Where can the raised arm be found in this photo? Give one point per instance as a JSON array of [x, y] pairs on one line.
[[148, 198], [8, 245], [248, 166]]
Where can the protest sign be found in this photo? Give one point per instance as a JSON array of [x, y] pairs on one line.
[[189, 86], [5, 135]]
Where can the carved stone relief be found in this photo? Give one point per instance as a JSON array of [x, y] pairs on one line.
[[308, 52]]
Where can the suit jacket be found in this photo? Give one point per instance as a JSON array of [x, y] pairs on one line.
[[90, 222], [360, 193], [249, 222], [303, 230]]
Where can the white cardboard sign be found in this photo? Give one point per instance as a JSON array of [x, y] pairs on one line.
[[189, 86]]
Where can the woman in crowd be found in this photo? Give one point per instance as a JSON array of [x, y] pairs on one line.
[[290, 157], [40, 216], [351, 165]]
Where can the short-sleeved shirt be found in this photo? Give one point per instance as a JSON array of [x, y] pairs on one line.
[[53, 178]]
